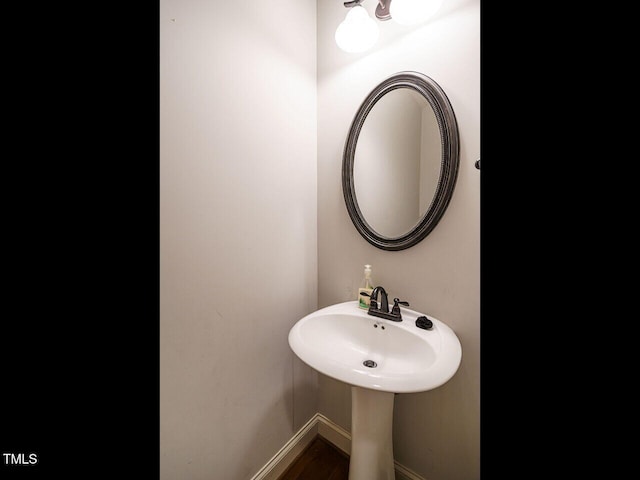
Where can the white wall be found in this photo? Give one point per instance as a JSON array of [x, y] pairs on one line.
[[436, 433], [238, 231]]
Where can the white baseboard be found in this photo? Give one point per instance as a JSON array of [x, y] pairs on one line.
[[403, 473], [287, 454], [334, 433], [330, 431]]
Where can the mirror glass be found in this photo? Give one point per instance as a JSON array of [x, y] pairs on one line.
[[397, 162], [400, 161]]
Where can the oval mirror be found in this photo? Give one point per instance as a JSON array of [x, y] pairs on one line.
[[400, 161]]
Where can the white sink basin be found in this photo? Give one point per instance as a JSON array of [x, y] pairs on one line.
[[338, 340], [341, 340]]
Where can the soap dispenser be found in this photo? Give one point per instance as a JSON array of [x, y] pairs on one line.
[[366, 287]]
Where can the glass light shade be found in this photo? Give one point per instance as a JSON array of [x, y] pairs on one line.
[[358, 32], [411, 12]]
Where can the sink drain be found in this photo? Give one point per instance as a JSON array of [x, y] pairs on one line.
[[370, 363]]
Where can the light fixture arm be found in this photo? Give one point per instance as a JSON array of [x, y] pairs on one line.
[[382, 10]]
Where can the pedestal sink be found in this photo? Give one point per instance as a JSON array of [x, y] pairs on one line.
[[378, 358]]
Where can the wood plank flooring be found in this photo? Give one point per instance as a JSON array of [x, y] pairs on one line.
[[320, 461]]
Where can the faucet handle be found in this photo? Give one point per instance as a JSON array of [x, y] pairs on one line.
[[396, 306]]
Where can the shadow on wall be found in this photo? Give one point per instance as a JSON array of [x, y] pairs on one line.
[[267, 440], [334, 400]]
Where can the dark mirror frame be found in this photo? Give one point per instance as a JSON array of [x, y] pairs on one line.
[[449, 139]]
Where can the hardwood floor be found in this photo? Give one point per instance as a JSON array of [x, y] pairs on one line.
[[320, 461]]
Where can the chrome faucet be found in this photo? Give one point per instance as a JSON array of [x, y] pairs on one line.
[[383, 310]]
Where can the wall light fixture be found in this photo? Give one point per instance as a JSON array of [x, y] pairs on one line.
[[359, 32]]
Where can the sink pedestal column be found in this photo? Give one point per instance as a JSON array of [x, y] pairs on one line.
[[371, 435]]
